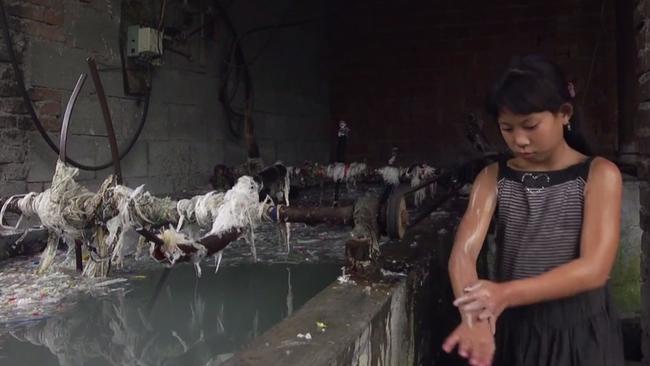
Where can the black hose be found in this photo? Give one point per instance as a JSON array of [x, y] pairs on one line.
[[225, 97], [275, 27], [236, 61], [30, 108]]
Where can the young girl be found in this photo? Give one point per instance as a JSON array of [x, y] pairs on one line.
[[558, 214]]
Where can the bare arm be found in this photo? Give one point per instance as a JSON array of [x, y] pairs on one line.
[[598, 245], [472, 231]]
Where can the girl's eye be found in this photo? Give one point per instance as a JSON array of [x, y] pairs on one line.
[[530, 127], [506, 129]]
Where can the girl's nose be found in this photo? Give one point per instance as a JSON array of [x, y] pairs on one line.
[[521, 138]]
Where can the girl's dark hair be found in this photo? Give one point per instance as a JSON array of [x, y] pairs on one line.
[[533, 84]]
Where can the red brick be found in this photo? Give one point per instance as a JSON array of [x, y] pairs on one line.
[[448, 54], [57, 4], [7, 121], [39, 13], [49, 108], [12, 106], [9, 88], [40, 94], [12, 136], [41, 30], [6, 72], [50, 123], [22, 122]]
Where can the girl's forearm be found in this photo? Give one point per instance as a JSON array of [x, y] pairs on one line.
[[566, 280], [462, 273]]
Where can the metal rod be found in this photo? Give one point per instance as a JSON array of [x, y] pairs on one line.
[[150, 236], [341, 145], [313, 215], [106, 113], [66, 117], [78, 256]]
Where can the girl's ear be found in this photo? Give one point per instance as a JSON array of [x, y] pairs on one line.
[[566, 110]]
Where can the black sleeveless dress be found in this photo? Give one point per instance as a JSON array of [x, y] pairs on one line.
[[539, 220]]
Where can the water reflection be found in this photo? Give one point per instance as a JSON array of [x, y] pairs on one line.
[[194, 321]]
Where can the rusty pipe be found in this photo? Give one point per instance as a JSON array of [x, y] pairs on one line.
[[213, 243]]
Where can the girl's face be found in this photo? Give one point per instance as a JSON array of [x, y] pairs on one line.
[[533, 137]]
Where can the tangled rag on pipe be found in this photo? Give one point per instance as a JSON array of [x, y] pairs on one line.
[[213, 214], [173, 253], [209, 214], [418, 174], [128, 209], [196, 215], [241, 209], [199, 210], [65, 209], [71, 212], [390, 175], [339, 172]]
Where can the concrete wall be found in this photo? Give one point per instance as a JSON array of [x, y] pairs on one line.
[[185, 134], [642, 21], [625, 276], [365, 326], [399, 320], [410, 73]]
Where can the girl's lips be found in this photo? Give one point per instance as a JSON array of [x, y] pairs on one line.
[[527, 155]]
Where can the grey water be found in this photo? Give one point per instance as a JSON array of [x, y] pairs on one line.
[[188, 321]]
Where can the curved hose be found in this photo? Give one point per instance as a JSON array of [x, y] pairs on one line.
[[30, 108], [225, 96]]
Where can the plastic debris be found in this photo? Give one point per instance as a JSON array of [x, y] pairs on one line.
[[345, 279], [387, 273], [306, 336], [27, 296], [321, 326], [390, 175], [111, 282]]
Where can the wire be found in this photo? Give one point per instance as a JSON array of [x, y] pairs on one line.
[[30, 108], [162, 14], [225, 96], [236, 67], [595, 52], [276, 27]]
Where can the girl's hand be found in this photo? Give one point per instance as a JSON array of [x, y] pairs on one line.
[[485, 298], [476, 344]]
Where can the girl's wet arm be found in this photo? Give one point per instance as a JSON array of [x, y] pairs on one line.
[[472, 230], [598, 245]]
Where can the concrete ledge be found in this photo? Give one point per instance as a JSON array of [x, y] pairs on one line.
[[365, 325], [396, 323]]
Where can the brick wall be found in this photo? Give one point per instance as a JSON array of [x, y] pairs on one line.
[[185, 134], [33, 19], [408, 73]]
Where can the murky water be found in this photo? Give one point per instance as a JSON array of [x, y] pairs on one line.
[[134, 318], [192, 321]]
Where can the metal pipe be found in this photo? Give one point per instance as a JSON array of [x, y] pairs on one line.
[[66, 117], [78, 256]]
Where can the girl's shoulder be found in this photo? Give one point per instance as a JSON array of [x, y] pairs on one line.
[[604, 171], [489, 173]]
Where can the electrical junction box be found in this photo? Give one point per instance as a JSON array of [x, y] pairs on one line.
[[144, 43]]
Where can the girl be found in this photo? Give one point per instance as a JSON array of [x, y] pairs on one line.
[[558, 214]]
